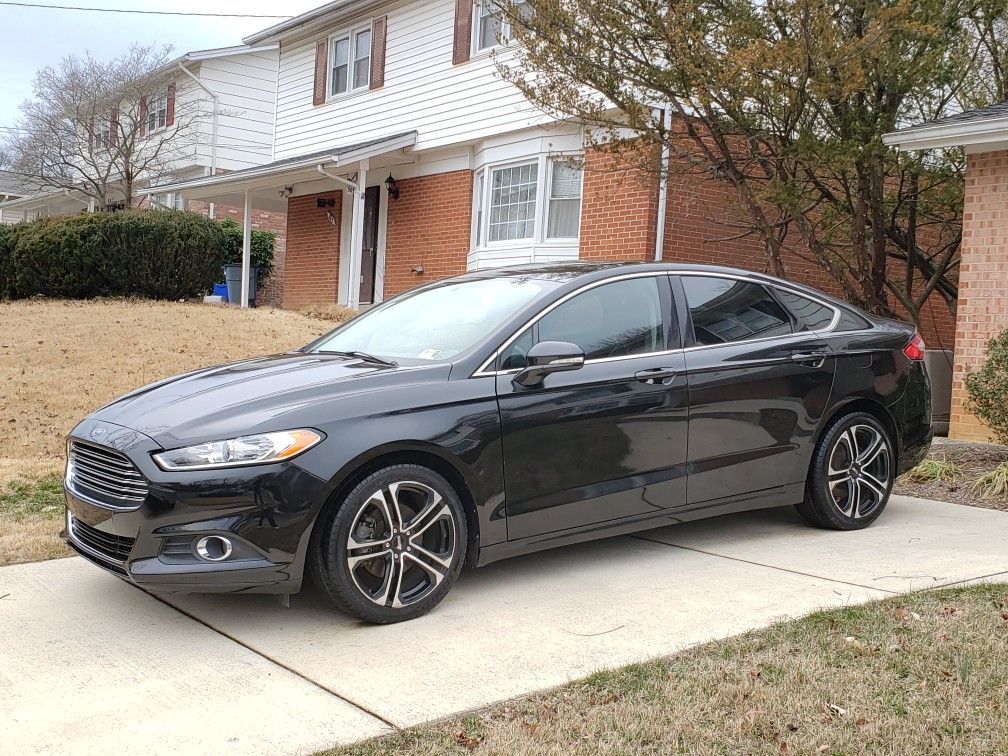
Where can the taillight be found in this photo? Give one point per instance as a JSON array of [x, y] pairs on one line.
[[915, 349]]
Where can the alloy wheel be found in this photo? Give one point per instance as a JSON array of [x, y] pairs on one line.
[[401, 545], [859, 471]]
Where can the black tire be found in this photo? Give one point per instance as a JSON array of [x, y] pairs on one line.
[[857, 500], [368, 589]]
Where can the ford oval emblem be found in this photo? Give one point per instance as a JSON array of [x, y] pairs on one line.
[[98, 433]]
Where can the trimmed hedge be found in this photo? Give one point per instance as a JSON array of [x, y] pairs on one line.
[[152, 254]]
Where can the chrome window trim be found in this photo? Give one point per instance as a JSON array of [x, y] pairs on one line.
[[483, 372]]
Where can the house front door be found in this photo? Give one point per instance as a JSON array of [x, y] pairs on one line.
[[369, 254]]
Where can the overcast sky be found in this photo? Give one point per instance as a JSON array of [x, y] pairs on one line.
[[31, 38]]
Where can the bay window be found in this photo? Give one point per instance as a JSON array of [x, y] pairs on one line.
[[535, 201]]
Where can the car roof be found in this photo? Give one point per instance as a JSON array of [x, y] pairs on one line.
[[576, 271]]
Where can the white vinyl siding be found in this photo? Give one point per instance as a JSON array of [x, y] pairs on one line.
[[444, 103]]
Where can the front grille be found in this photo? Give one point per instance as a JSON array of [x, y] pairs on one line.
[[106, 475], [116, 548]]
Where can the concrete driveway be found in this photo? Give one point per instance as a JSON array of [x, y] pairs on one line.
[[89, 663]]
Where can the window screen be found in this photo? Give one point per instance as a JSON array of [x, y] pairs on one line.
[[811, 315], [727, 309]]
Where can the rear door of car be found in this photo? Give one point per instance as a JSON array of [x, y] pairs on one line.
[[759, 379], [608, 441]]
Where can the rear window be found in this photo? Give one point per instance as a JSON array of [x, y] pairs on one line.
[[811, 315], [728, 309]]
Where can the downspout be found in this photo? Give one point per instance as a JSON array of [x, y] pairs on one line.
[[663, 183], [216, 110], [338, 179]]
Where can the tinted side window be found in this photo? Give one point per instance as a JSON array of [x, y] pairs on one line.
[[618, 319], [726, 310], [811, 315], [850, 321]]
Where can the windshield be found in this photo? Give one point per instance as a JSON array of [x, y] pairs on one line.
[[435, 325]]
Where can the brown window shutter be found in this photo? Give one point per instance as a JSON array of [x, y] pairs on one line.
[[379, 29], [90, 135], [114, 127], [143, 117], [170, 115], [321, 69], [463, 31]]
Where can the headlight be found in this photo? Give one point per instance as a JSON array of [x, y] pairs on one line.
[[259, 449]]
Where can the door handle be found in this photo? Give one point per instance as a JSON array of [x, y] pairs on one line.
[[814, 359], [654, 375]]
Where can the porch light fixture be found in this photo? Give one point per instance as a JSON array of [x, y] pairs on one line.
[[393, 187]]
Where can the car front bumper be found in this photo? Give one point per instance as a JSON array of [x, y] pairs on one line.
[[264, 511]]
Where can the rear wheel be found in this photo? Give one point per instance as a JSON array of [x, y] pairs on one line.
[[851, 476], [394, 547]]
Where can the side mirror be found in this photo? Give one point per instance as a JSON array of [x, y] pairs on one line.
[[549, 357]]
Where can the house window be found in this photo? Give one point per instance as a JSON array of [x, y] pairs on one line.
[[351, 62], [538, 200], [491, 29], [157, 113], [564, 200], [103, 135], [513, 195]]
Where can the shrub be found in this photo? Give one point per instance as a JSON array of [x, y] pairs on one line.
[[935, 469], [993, 484], [7, 238], [263, 245], [987, 388], [151, 254]]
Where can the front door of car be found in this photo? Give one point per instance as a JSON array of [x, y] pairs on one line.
[[606, 441], [758, 386]]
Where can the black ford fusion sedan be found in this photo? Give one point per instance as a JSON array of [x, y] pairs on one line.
[[496, 414]]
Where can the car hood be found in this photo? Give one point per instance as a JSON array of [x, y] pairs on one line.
[[253, 396]]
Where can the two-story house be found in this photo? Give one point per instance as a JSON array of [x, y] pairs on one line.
[[227, 98], [401, 156]]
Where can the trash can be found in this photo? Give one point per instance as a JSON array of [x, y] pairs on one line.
[[232, 274]]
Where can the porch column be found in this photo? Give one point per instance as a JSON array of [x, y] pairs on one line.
[[246, 248], [357, 239]]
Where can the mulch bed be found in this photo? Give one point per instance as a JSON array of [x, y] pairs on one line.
[[974, 459]]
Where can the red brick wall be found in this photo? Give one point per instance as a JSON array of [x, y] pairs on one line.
[[983, 293], [430, 223], [619, 210], [312, 252]]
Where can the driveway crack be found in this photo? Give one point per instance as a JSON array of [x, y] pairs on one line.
[[391, 725], [768, 566]]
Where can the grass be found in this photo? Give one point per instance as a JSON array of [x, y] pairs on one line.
[[993, 484], [914, 675], [937, 469], [61, 360]]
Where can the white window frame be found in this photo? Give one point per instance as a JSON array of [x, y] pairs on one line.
[[477, 26], [482, 195], [350, 35], [154, 111], [103, 135]]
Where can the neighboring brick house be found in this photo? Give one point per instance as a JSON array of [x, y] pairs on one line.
[[983, 270], [406, 95]]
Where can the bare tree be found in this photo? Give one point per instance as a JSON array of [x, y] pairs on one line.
[[105, 128]]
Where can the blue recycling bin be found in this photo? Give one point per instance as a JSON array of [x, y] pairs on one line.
[[220, 290]]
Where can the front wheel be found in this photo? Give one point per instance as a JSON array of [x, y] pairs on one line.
[[394, 547], [851, 476]]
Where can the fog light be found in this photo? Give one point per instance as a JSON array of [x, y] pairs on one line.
[[213, 548]]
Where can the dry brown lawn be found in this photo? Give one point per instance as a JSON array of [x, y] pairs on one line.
[[911, 676], [60, 360]]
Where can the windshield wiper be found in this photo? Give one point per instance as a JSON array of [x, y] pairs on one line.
[[363, 356]]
